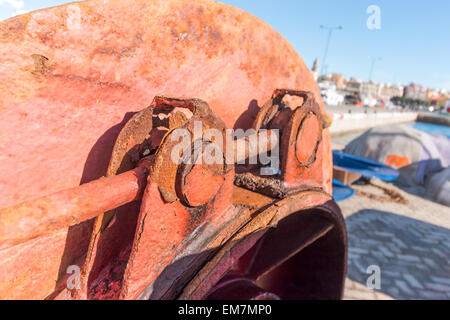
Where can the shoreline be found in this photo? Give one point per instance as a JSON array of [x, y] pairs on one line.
[[347, 119], [346, 122], [438, 119]]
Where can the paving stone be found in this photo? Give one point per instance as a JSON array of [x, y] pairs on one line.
[[407, 257], [390, 273], [437, 287], [420, 248], [428, 241], [441, 280], [415, 233], [358, 250], [412, 281], [413, 254], [384, 234], [372, 242], [379, 256], [362, 268], [404, 287], [393, 291], [399, 243], [393, 248], [432, 295], [439, 253], [352, 256], [431, 263], [386, 251]]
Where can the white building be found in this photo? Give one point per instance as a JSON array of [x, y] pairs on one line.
[[329, 94]]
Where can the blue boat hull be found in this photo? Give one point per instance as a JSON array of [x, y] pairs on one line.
[[341, 191], [366, 167]]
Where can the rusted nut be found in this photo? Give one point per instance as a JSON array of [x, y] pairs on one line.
[[307, 140], [197, 183]]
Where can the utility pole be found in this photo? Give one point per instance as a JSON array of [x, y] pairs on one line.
[[330, 31]]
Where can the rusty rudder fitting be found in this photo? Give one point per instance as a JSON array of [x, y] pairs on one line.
[[69, 207], [150, 210], [300, 131]]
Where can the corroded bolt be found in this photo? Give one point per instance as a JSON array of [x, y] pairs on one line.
[[198, 182]]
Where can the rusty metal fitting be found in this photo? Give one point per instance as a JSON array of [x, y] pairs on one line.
[[308, 138], [197, 182], [300, 130], [174, 179]]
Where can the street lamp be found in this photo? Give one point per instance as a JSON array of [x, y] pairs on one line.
[[330, 31], [373, 60]]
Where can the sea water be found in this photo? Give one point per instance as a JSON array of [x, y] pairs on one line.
[[432, 128]]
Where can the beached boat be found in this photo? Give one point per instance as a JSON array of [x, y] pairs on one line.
[[367, 168]]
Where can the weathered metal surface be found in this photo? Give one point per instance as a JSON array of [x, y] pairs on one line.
[[333, 250], [289, 260], [72, 76], [240, 288]]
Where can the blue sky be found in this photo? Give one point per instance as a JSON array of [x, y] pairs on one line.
[[413, 42]]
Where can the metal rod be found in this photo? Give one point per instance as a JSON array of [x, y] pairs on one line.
[[69, 207], [254, 145]]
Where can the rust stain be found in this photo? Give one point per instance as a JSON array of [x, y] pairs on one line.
[[124, 52], [13, 29], [39, 63], [77, 78]]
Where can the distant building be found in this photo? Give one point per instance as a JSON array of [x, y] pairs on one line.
[[387, 92], [433, 96], [415, 91], [443, 100], [315, 69], [338, 80], [353, 87], [329, 94], [370, 91]]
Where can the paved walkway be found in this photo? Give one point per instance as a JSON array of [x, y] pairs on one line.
[[409, 243]]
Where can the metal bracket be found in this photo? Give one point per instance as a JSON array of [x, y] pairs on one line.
[[300, 131]]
